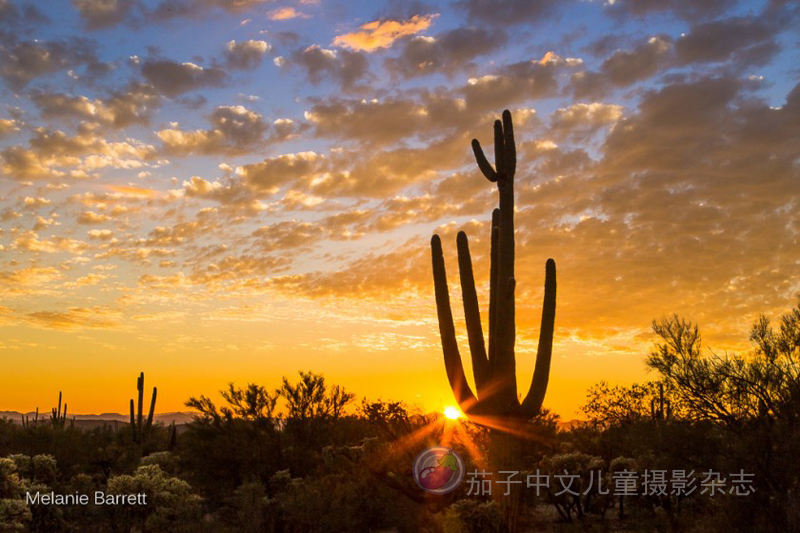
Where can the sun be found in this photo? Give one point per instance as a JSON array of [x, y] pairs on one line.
[[453, 413]]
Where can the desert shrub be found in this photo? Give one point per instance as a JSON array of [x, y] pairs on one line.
[[171, 504], [166, 461], [472, 516]]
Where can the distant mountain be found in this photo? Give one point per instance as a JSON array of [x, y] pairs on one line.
[[569, 424], [180, 417]]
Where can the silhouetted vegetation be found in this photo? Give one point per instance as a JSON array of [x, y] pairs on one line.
[[303, 458]]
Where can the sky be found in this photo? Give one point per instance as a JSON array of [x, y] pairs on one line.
[[218, 191]]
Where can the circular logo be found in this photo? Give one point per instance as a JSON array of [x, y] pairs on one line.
[[438, 470]]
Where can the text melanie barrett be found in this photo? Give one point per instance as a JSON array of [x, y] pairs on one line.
[[98, 498]]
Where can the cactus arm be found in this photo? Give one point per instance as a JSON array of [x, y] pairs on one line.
[[472, 314], [133, 423], [483, 163], [452, 358], [541, 373], [510, 150], [499, 150], [140, 387], [152, 409]]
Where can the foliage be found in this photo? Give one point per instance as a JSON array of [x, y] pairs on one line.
[[171, 505], [228, 446], [252, 507], [254, 402], [242, 466], [311, 399], [754, 399], [390, 417], [576, 482], [472, 516], [14, 513], [608, 406]]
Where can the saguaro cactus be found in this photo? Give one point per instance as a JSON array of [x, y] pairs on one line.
[[27, 422], [496, 403], [57, 418], [140, 428], [660, 408]]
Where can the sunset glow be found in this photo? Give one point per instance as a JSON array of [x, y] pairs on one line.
[[452, 413], [237, 191]]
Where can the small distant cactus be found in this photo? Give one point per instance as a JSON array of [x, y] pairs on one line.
[[139, 427], [660, 408], [27, 422], [173, 436], [57, 418]]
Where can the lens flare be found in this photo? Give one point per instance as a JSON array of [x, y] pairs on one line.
[[453, 413]]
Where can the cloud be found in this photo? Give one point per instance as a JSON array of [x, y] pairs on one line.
[[134, 104], [514, 83], [685, 9], [234, 130], [625, 67], [446, 53], [8, 126], [286, 13], [20, 280], [673, 217], [170, 9], [242, 270], [34, 203], [272, 173], [98, 14], [30, 241], [288, 235], [380, 34], [53, 152], [172, 79], [343, 66], [504, 12], [401, 271], [90, 217], [750, 39], [246, 55], [379, 122], [28, 60], [100, 234], [75, 318], [17, 17], [580, 121]]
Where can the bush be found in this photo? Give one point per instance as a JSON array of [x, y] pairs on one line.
[[472, 516]]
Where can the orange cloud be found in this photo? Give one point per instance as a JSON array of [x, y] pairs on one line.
[[134, 192], [286, 13], [382, 34]]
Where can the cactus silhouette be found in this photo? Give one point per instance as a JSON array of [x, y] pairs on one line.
[[495, 402], [660, 408], [57, 418], [27, 422], [139, 427]]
